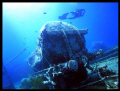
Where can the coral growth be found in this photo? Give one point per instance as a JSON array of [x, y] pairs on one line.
[[33, 83], [25, 84]]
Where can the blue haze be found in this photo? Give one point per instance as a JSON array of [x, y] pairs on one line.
[[21, 23]]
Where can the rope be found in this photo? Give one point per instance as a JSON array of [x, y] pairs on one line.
[[103, 80], [96, 81], [15, 57], [47, 61], [67, 44], [79, 34], [89, 75], [32, 67]]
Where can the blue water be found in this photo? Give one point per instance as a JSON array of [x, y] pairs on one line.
[[21, 23]]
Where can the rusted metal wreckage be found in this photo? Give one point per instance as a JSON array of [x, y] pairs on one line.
[[63, 60]]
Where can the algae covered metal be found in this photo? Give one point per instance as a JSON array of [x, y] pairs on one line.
[[59, 42], [61, 56]]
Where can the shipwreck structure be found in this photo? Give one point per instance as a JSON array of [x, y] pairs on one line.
[[61, 56]]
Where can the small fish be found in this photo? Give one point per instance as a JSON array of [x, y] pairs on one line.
[[44, 13], [24, 38], [70, 22], [23, 43], [36, 31]]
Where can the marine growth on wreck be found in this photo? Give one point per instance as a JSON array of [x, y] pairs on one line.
[[62, 61]]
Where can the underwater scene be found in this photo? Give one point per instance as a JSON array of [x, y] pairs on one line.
[[57, 45]]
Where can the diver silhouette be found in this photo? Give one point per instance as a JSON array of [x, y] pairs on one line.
[[75, 14]]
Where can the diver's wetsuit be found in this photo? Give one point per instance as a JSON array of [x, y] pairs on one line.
[[77, 13]]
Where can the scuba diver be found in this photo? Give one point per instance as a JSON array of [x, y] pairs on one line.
[[75, 14]]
